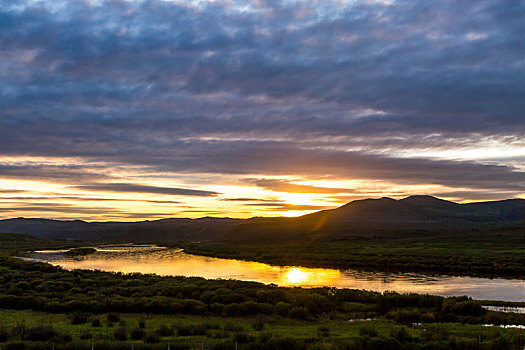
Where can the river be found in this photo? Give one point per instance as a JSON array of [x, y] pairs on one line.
[[174, 262]]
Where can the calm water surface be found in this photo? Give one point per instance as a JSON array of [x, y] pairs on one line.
[[174, 262]]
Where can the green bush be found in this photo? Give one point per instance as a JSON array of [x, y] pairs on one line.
[[40, 333], [164, 331], [151, 338], [368, 331], [4, 335], [120, 333], [113, 317], [137, 334], [79, 317], [95, 322], [299, 313]]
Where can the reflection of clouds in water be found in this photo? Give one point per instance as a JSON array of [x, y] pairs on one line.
[[163, 261]]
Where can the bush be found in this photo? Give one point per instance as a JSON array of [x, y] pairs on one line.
[[120, 334], [259, 323], [40, 333], [286, 343], [383, 344], [400, 334], [230, 327], [151, 338], [113, 317], [368, 331], [95, 322], [19, 345], [282, 308], [242, 338], [78, 318], [4, 335], [86, 335], [192, 329], [323, 331], [137, 334], [299, 312], [164, 331]]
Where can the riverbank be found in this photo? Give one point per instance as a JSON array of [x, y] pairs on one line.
[[488, 255]]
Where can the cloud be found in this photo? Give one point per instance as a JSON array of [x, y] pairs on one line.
[[60, 208], [11, 191], [136, 188], [278, 205], [50, 173], [346, 90], [286, 186], [88, 199]]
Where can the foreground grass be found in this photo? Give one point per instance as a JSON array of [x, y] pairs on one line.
[[157, 331]]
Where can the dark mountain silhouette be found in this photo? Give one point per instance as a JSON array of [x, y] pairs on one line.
[[361, 218]]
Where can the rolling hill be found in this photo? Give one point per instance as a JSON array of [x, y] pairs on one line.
[[361, 218]]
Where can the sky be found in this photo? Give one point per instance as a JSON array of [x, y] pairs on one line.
[[129, 110]]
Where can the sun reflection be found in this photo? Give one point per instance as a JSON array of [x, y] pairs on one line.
[[295, 275]]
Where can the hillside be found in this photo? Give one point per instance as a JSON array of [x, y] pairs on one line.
[[361, 218], [385, 216]]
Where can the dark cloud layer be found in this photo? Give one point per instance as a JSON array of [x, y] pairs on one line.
[[135, 188], [308, 89]]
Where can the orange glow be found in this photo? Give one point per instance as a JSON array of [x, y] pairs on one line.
[[296, 275]]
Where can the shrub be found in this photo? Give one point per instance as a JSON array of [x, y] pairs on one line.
[[120, 334], [40, 333], [19, 345], [4, 335], [242, 337], [192, 329], [78, 318], [282, 308], [400, 334], [151, 338], [323, 331], [137, 334], [113, 317], [164, 331], [368, 331], [95, 322], [230, 327], [259, 323], [299, 312], [86, 335]]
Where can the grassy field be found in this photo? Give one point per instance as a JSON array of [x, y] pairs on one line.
[[196, 332], [490, 254]]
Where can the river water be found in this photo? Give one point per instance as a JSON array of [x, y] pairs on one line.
[[174, 262]]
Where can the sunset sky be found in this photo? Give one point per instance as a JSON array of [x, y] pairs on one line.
[[132, 110]]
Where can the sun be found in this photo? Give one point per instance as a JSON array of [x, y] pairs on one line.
[[296, 275], [298, 198]]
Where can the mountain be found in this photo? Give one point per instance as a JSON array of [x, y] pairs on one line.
[[385, 216], [361, 218], [166, 230]]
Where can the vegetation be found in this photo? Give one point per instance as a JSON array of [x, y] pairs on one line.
[[80, 251], [495, 253], [80, 309]]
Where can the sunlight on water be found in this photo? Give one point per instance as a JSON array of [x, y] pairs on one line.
[[174, 262], [296, 275]]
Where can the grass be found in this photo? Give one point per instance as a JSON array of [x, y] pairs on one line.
[[220, 329]]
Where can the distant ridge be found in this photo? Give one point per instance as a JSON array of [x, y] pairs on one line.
[[358, 218]]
